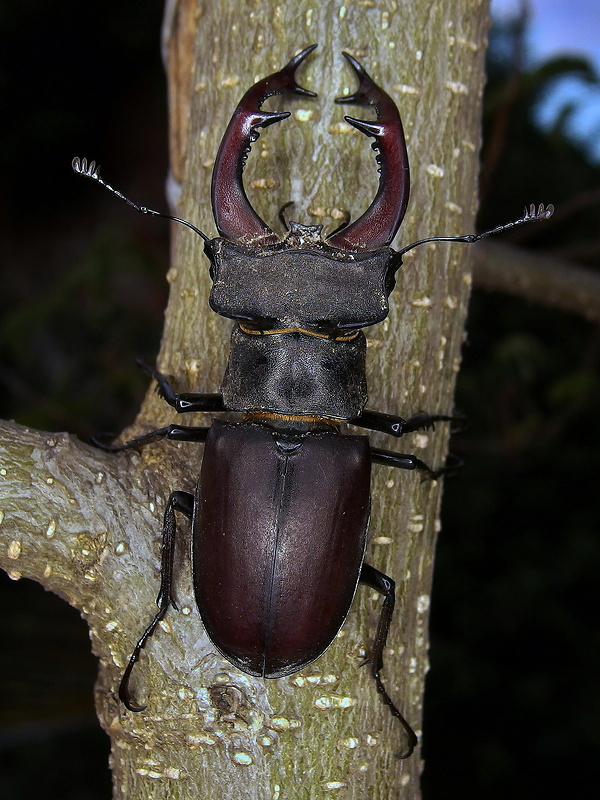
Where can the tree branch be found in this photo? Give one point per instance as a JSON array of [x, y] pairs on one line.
[[538, 278]]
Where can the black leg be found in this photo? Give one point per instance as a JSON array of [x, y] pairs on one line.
[[178, 433], [397, 426], [385, 586], [183, 402], [178, 501], [408, 461]]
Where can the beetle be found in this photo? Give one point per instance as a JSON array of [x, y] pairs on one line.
[[281, 509]]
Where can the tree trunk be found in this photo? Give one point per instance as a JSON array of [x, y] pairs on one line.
[[87, 524]]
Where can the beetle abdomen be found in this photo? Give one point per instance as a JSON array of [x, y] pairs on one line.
[[279, 537]]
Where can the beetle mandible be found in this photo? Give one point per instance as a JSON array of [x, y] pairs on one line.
[[274, 593]]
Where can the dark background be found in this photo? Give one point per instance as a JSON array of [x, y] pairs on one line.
[[513, 701]]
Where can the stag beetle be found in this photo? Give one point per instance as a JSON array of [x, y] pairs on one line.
[[277, 550]]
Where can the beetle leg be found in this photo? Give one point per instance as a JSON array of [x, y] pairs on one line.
[[397, 426], [183, 402], [408, 461], [385, 586], [178, 501], [178, 433], [424, 421]]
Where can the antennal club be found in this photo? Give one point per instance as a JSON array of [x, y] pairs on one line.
[[92, 170]]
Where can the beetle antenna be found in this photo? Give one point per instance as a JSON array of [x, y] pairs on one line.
[[92, 170], [343, 224], [282, 217], [529, 215]]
